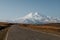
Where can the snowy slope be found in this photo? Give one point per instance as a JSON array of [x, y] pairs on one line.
[[37, 18]]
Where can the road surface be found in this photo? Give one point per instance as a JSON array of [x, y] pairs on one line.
[[17, 33]]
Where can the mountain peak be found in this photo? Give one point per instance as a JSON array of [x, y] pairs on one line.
[[29, 15], [36, 13], [37, 18]]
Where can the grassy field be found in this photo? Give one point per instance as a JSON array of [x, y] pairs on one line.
[[3, 33], [49, 28], [4, 26]]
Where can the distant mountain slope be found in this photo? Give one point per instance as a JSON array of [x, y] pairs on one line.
[[34, 18], [37, 18]]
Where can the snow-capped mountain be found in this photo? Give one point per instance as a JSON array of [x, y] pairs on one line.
[[36, 18]]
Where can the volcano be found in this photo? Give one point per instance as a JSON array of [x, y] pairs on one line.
[[37, 18]]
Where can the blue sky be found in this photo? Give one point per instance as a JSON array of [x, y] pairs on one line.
[[10, 9]]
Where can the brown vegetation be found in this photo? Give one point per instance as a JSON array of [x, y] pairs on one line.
[[52, 27], [3, 33]]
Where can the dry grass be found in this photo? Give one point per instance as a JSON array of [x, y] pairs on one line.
[[3, 29], [3, 33], [52, 28]]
